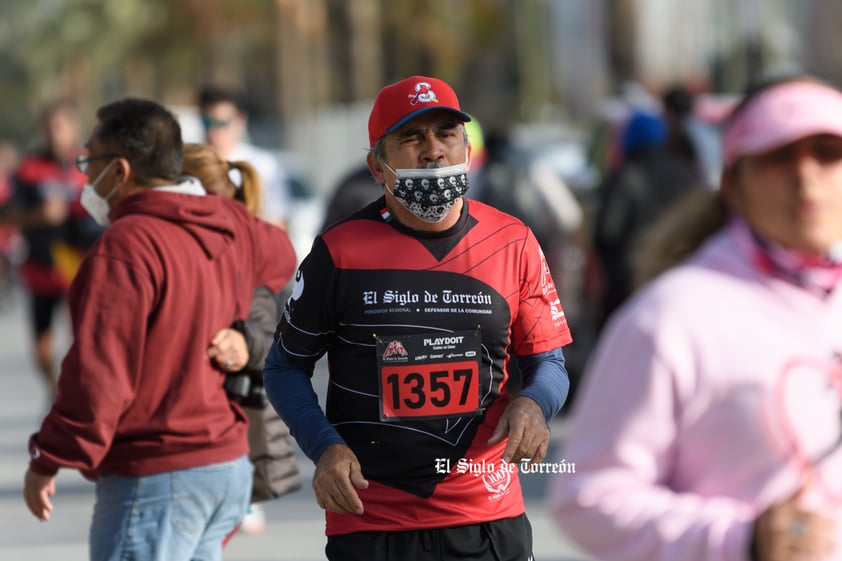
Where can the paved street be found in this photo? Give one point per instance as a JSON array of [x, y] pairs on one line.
[[295, 529]]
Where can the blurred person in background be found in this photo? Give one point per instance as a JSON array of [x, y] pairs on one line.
[[225, 120], [678, 107], [355, 190], [632, 196], [271, 449], [689, 137], [10, 241], [708, 427], [140, 409], [45, 207], [387, 293], [528, 182]]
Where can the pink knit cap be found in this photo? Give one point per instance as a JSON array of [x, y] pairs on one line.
[[782, 114]]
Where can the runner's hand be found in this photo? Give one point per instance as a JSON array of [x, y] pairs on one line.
[[529, 434], [785, 532], [337, 478]]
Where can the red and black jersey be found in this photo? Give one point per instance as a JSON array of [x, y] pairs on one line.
[[418, 329], [42, 176]]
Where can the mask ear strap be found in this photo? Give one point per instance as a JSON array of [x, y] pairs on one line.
[[390, 191], [388, 166], [113, 187], [99, 176]]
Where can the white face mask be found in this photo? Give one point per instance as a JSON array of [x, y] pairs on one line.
[[96, 205], [430, 193]]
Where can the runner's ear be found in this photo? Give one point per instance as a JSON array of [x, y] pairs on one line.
[[377, 169]]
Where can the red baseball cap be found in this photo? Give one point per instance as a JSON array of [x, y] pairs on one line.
[[783, 114], [398, 103]]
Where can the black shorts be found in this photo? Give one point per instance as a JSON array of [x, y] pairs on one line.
[[43, 308], [509, 539]]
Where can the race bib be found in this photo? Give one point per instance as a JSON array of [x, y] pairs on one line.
[[429, 376]]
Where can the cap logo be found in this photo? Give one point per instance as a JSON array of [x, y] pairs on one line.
[[423, 94], [398, 103]]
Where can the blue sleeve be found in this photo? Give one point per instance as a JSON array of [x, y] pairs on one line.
[[290, 390], [545, 380]]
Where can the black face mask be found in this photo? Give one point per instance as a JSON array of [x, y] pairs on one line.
[[430, 193]]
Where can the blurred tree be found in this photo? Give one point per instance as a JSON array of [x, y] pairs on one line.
[[93, 51], [335, 51], [822, 55], [621, 40], [355, 32], [530, 23], [66, 48], [290, 56], [304, 66]]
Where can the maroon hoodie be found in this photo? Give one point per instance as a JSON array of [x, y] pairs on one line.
[[137, 396]]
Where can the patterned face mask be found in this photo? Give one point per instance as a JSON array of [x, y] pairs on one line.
[[430, 193]]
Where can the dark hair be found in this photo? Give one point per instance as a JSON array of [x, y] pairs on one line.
[[678, 232], [213, 94], [146, 134], [678, 100]]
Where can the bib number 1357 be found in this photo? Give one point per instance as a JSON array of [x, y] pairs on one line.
[[430, 390], [429, 375]]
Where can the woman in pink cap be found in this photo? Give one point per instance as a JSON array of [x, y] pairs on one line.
[[708, 427]]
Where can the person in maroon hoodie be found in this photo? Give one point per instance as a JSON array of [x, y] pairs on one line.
[[140, 409]]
